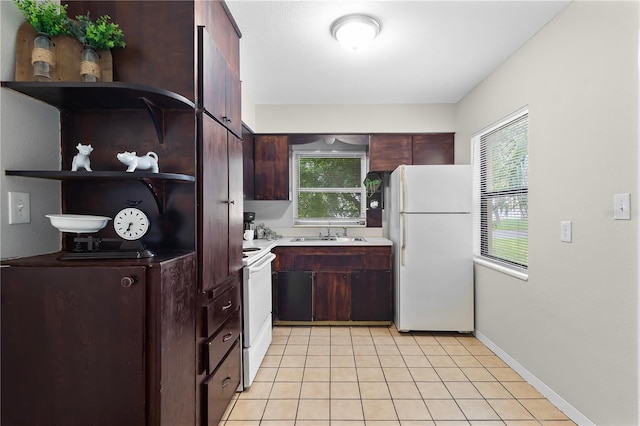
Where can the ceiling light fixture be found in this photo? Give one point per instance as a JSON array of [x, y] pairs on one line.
[[355, 31]]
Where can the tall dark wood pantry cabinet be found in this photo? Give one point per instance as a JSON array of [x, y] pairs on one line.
[[176, 92]]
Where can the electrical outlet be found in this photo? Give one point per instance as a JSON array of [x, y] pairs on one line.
[[19, 208], [565, 231]]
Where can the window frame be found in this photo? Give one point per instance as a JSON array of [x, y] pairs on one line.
[[482, 197], [297, 154]]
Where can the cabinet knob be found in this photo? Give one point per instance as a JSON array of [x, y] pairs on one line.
[[226, 382], [230, 201], [127, 282]]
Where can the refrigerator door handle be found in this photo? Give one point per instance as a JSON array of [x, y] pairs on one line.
[[403, 192], [403, 243]]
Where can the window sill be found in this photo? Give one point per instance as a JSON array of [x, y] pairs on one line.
[[521, 275]]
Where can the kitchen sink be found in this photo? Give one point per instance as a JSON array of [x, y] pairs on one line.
[[338, 239]]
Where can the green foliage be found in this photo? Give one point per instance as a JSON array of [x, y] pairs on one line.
[[45, 16], [101, 34], [329, 187]]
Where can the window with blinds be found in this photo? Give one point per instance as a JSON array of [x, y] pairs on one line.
[[501, 168], [328, 188]]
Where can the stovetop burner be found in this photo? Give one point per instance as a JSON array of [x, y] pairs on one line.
[[250, 249]]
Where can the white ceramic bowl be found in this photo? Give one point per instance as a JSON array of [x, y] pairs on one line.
[[78, 223]]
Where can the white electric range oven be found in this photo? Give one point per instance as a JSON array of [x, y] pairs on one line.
[[256, 307]]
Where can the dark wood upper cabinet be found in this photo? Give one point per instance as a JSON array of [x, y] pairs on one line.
[[271, 161], [433, 148], [247, 164], [387, 151]]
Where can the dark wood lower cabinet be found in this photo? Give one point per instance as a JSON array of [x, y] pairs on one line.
[[294, 295], [371, 296], [333, 296], [98, 343], [219, 347], [218, 388], [333, 283]]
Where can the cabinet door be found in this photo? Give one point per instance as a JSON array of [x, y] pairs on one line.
[[236, 206], [213, 196], [247, 164], [72, 346], [333, 296], [371, 296], [386, 152], [434, 148], [212, 78], [295, 296], [271, 160], [233, 113]]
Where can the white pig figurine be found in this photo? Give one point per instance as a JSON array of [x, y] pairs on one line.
[[133, 162]]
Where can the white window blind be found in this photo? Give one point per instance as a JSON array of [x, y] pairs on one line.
[[328, 188], [501, 168]]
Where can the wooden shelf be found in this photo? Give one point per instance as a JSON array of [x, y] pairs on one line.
[[84, 175], [154, 182], [112, 95]]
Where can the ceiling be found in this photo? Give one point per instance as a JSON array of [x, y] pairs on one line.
[[428, 51]]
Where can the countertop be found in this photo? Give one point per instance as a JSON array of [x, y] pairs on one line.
[[288, 242]]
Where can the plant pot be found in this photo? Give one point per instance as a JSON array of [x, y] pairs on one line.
[[90, 65], [42, 57]]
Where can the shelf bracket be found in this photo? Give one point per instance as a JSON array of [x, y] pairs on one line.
[[157, 116], [159, 198]]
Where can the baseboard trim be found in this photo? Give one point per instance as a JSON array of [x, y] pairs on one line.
[[545, 390]]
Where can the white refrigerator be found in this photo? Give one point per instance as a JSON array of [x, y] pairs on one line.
[[429, 222]]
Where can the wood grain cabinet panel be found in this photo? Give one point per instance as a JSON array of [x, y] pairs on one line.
[[433, 148], [218, 389], [271, 161], [388, 151], [333, 296], [333, 283], [371, 295], [98, 345]]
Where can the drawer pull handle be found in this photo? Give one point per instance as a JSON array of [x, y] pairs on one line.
[[226, 382], [227, 337], [227, 306], [127, 282]]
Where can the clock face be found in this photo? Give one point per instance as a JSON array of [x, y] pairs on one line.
[[131, 224]]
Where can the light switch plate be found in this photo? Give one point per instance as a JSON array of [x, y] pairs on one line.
[[622, 206], [19, 208], [565, 231]]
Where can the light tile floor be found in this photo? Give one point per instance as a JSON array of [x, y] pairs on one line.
[[376, 376]]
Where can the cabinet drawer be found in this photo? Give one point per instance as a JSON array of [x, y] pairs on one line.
[[220, 309], [323, 262], [218, 389], [218, 345]]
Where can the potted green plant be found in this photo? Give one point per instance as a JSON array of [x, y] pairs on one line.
[[48, 19], [94, 36]]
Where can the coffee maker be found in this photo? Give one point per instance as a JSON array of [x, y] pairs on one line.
[[249, 218]]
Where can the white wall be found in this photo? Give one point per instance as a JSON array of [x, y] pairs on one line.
[[405, 118], [29, 139], [573, 324], [401, 118]]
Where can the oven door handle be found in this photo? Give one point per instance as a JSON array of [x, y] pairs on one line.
[[260, 265]]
